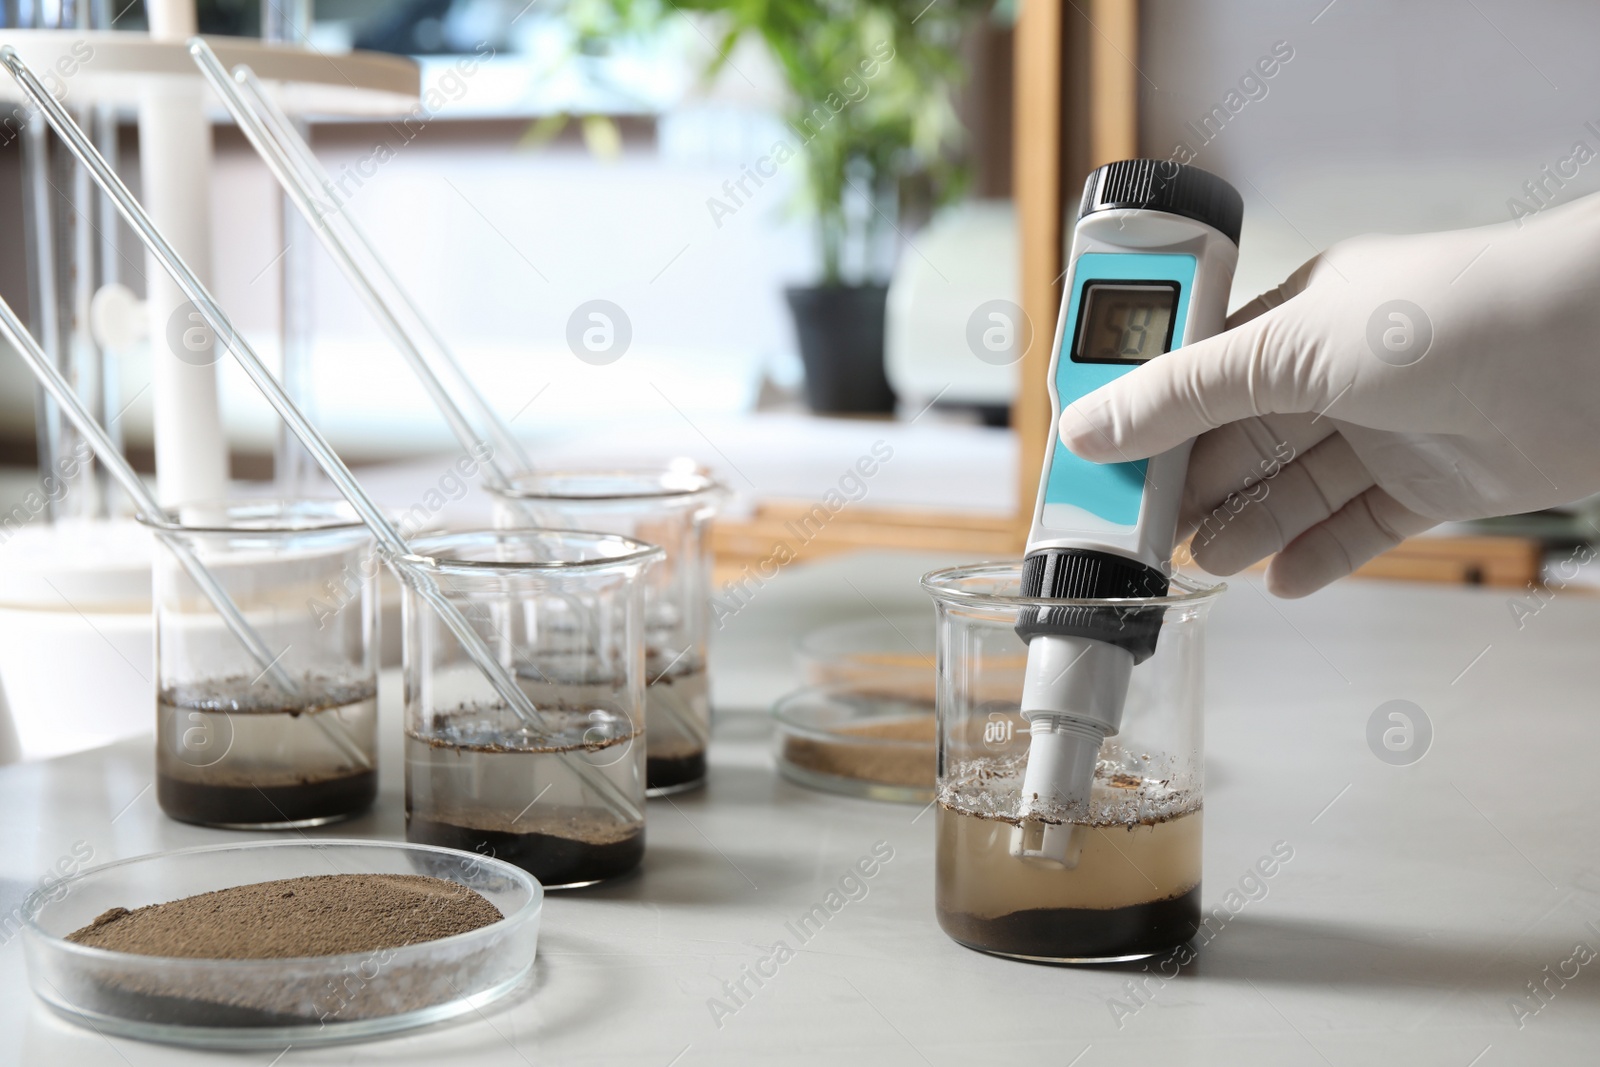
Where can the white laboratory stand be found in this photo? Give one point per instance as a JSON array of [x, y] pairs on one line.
[[175, 186], [1418, 903]]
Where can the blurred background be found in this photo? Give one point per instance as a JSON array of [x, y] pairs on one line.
[[788, 242], [736, 183]]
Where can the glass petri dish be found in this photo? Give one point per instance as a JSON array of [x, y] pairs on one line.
[[270, 1003], [840, 739], [888, 654]]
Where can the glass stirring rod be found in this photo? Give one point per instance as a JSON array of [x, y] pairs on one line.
[[117, 466], [392, 546]]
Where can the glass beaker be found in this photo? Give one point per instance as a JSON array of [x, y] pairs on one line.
[[241, 745], [672, 509], [1134, 888], [561, 797]]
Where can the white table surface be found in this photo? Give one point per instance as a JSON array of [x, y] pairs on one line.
[[1419, 902]]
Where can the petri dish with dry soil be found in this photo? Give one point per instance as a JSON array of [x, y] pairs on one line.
[[269, 1003], [841, 739], [888, 654]]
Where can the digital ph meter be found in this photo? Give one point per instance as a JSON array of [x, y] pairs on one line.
[[1149, 270]]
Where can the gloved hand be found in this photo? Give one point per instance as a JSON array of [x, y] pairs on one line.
[[1390, 384]]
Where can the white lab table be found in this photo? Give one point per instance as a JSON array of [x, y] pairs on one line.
[[1419, 902]]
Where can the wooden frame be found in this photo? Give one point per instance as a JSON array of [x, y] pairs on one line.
[[1077, 107], [1038, 180]]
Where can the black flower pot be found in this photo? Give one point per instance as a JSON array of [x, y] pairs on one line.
[[840, 328]]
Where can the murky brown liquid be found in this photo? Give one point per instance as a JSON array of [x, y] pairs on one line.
[[677, 717], [237, 755], [1134, 891], [481, 782]]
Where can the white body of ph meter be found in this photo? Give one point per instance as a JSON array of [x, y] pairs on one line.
[[1149, 270]]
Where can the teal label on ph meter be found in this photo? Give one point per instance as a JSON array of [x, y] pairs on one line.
[[1125, 308]]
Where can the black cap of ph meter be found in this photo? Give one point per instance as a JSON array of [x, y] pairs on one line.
[[1085, 574], [1162, 185]]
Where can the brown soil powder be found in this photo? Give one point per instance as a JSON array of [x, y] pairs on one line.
[[908, 765], [317, 915]]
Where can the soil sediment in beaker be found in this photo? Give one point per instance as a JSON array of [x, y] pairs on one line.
[[1134, 889], [1081, 933], [675, 773], [678, 721], [237, 753], [573, 854], [481, 782], [310, 800]]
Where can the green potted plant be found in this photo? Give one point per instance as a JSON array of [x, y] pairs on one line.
[[871, 119]]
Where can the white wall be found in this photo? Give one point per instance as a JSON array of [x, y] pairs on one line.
[[470, 229], [500, 247], [1393, 115]]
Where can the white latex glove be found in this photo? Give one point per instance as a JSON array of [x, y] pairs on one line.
[[1332, 424]]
